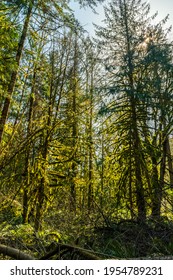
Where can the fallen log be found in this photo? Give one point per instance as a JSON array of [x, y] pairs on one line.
[[14, 253]]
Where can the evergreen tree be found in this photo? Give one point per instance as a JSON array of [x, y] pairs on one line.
[[125, 47]]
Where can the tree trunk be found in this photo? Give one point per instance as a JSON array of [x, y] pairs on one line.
[[90, 185], [74, 126], [170, 166], [27, 172]]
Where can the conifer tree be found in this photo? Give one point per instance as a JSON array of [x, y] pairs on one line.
[[125, 44]]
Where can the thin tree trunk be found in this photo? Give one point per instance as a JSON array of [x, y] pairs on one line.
[[130, 178], [102, 171], [156, 190], [27, 172], [140, 199], [42, 185], [162, 175], [47, 137], [46, 141], [13, 79], [74, 127], [90, 185], [170, 166]]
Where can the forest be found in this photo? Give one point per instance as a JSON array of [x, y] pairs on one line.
[[86, 143]]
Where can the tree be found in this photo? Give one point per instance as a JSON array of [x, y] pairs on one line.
[[123, 45]]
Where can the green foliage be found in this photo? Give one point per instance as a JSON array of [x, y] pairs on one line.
[[86, 155]]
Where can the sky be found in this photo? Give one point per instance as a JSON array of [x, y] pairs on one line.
[[86, 17]]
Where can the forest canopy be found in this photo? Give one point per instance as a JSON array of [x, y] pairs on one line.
[[85, 131]]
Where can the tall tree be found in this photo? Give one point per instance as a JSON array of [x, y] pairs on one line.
[[123, 43]]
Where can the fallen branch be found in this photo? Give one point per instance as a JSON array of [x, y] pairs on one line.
[[14, 253]]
